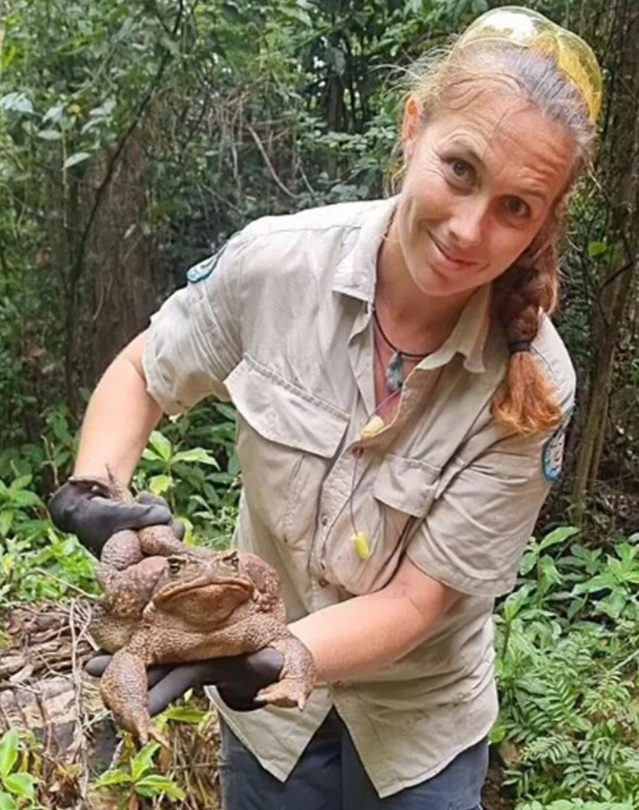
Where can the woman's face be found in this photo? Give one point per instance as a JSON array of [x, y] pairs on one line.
[[480, 183]]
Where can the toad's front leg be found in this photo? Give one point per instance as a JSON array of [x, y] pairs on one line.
[[297, 678]]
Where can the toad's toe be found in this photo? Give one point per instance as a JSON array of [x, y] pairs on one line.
[[286, 693]]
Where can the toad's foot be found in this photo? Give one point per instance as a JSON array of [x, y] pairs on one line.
[[297, 678], [159, 541], [287, 693], [123, 688]]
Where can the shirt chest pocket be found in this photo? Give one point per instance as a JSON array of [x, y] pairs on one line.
[[287, 439], [403, 490]]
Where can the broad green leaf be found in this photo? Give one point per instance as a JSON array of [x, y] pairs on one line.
[[113, 778], [21, 483], [76, 158], [143, 760], [614, 604], [49, 134], [197, 454], [596, 249], [7, 802], [185, 714], [595, 583], [527, 563], [160, 484], [150, 455], [9, 745], [20, 784], [53, 114], [557, 536], [24, 497], [6, 520], [104, 110], [549, 570], [154, 784], [227, 411], [16, 102], [161, 445]]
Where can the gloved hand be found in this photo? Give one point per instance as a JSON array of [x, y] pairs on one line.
[[76, 509], [238, 678]]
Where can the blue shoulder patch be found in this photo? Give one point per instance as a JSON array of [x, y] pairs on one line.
[[203, 269], [552, 455]]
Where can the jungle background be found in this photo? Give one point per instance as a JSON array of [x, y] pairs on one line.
[[135, 137]]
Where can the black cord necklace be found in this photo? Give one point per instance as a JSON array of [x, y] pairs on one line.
[[395, 367]]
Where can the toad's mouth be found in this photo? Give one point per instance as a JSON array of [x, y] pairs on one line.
[[222, 585]]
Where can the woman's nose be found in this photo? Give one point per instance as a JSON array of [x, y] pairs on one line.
[[468, 223]]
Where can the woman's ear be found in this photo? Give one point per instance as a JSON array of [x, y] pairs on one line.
[[410, 126]]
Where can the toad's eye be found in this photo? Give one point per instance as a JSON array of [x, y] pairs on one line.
[[233, 560], [176, 564]]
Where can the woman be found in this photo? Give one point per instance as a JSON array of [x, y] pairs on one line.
[[401, 396]]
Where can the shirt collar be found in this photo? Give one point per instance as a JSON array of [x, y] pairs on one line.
[[469, 335], [356, 275]]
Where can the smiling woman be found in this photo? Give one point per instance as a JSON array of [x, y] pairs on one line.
[[401, 396], [493, 137]]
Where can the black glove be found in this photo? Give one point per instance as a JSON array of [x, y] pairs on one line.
[[76, 509], [238, 678]]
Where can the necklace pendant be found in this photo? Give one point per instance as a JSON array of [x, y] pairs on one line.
[[395, 373]]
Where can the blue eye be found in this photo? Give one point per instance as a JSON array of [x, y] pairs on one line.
[[517, 208], [462, 171]]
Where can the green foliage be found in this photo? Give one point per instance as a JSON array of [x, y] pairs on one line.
[[202, 486], [575, 804], [17, 787], [567, 671], [37, 562], [232, 111], [137, 777]]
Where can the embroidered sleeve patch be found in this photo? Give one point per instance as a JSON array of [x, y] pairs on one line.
[[204, 268]]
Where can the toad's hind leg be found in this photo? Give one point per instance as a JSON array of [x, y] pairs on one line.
[[297, 678], [123, 688]]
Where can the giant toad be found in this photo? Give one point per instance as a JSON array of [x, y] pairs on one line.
[[187, 606]]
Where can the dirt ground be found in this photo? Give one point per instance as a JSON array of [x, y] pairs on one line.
[[493, 797]]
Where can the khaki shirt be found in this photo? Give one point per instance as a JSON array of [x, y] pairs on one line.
[[279, 322]]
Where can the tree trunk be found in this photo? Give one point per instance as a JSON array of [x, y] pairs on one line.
[[621, 179], [121, 252]]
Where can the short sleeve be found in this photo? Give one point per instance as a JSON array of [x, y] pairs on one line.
[[194, 339], [476, 531]]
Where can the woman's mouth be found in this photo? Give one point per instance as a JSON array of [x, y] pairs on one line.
[[450, 258]]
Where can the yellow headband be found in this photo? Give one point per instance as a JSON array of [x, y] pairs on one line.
[[511, 25]]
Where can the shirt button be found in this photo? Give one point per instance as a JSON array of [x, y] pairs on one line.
[[324, 520], [322, 582]]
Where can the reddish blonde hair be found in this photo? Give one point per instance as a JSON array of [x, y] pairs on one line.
[[526, 401]]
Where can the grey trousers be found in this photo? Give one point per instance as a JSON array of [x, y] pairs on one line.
[[330, 776]]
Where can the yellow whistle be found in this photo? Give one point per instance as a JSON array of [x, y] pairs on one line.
[[360, 541], [372, 428]]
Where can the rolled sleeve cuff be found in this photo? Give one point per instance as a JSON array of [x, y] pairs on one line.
[[453, 575], [157, 384]]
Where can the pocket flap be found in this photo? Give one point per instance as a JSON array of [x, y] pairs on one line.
[[283, 412], [406, 484]]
